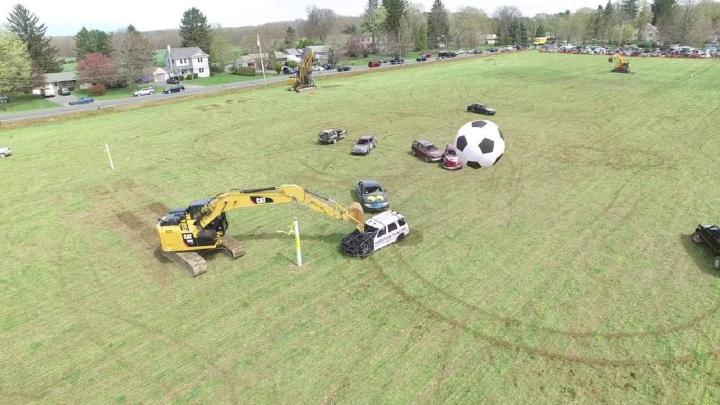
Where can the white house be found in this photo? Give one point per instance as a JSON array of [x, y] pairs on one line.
[[187, 61], [491, 39]]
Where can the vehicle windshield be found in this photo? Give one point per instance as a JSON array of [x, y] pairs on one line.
[[450, 153], [430, 147], [372, 189], [363, 141], [369, 228]]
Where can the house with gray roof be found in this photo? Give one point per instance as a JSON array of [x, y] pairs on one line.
[[187, 61]]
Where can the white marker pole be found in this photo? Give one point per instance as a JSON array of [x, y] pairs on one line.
[[262, 64], [298, 253], [107, 149]]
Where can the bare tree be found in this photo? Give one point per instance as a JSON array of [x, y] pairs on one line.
[[504, 17], [467, 26], [320, 22], [132, 53]]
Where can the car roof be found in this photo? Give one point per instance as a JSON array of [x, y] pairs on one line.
[[370, 183], [367, 137], [382, 220]]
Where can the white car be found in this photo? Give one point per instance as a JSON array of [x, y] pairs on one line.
[[4, 152], [144, 92], [380, 231], [318, 68]]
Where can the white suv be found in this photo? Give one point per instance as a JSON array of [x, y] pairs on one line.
[[380, 231]]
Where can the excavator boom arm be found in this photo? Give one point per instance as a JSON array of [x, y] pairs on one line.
[[284, 194]]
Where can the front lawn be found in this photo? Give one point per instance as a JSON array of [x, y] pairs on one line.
[[26, 103], [225, 78]]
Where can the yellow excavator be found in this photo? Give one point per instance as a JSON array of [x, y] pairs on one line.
[[202, 227], [303, 79], [619, 65]]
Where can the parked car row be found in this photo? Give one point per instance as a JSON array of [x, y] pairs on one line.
[[632, 51]]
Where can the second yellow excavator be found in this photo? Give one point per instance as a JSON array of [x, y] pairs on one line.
[[202, 226], [619, 64]]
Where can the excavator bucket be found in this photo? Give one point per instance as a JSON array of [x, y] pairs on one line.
[[358, 216]]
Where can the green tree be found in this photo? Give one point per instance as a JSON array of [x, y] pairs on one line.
[[540, 31], [438, 25], [25, 25], [194, 30], [92, 41], [630, 9], [663, 13], [221, 52], [395, 12], [132, 54], [290, 36], [15, 64], [523, 34], [373, 21], [608, 20]]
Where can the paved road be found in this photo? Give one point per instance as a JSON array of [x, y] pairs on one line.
[[64, 109]]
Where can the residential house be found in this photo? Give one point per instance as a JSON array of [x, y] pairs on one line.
[[491, 39], [322, 53], [187, 61], [54, 82], [293, 55], [253, 60]]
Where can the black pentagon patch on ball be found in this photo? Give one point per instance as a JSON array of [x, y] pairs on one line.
[[479, 124], [461, 143], [474, 165], [498, 159], [487, 145]]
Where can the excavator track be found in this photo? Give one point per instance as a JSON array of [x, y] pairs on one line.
[[191, 262], [232, 247]]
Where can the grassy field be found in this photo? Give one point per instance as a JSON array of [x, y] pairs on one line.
[[226, 78], [26, 103], [564, 274]]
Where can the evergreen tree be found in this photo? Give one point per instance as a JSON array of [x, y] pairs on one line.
[[523, 34], [630, 9], [438, 26], [373, 21], [663, 13], [92, 41], [540, 31], [194, 30], [289, 40], [25, 25], [395, 11]]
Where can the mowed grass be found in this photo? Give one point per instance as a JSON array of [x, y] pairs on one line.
[[566, 273], [26, 103], [225, 78]]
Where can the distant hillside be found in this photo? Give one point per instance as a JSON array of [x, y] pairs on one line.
[[242, 37]]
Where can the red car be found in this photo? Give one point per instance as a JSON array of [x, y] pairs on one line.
[[426, 150], [451, 161], [374, 63]]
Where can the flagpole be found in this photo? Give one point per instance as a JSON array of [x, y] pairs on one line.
[[298, 253], [262, 64]]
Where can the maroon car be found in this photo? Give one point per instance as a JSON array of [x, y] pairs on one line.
[[374, 63], [451, 161], [426, 150]]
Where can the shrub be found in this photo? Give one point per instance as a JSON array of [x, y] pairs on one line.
[[292, 63], [188, 77], [278, 67], [96, 89], [180, 78], [245, 71], [195, 76]]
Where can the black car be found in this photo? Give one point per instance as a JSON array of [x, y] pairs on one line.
[[446, 55], [421, 58], [331, 135], [287, 70], [343, 68], [481, 109], [709, 235], [172, 80], [174, 89], [397, 61], [328, 66]]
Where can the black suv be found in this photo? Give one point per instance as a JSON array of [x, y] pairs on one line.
[[397, 61]]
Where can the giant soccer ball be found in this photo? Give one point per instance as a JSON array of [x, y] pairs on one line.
[[480, 144]]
